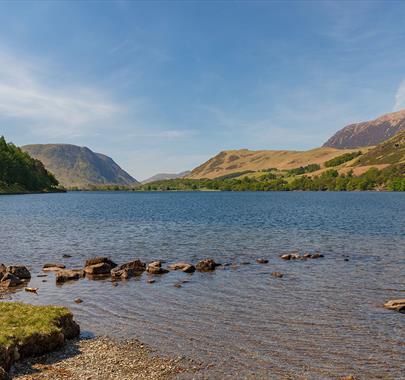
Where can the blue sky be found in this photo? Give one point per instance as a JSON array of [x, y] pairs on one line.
[[163, 86]]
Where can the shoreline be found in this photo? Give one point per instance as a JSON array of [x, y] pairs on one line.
[[102, 358]]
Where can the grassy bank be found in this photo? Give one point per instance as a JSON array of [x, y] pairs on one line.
[[27, 330], [19, 322]]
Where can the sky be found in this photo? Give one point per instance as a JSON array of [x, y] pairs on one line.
[[161, 86]]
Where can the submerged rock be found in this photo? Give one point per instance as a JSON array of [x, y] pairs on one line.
[[20, 271], [397, 305], [262, 261], [286, 256], [277, 274], [206, 265], [184, 267]]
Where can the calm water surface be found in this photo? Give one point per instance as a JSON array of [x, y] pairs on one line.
[[322, 320]]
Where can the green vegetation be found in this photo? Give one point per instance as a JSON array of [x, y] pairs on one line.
[[20, 321], [339, 160], [391, 178], [21, 173], [304, 169]]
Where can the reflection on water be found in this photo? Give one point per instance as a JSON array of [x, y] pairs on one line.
[[323, 319]]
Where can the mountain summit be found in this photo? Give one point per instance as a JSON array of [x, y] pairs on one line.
[[368, 133], [76, 166]]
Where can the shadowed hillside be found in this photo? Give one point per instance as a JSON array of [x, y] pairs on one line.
[[21, 173], [76, 166]]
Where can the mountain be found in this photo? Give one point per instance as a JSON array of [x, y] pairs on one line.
[[164, 176], [368, 133], [237, 161], [20, 173], [76, 166]]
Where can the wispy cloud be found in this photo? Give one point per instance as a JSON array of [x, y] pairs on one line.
[[400, 97], [59, 110]]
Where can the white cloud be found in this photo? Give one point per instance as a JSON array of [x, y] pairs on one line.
[[400, 97], [66, 112]]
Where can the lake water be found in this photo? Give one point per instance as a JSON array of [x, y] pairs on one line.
[[322, 320]]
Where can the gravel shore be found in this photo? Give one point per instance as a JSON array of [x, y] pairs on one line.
[[102, 359]]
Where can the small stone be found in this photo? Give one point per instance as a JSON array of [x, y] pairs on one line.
[[277, 274], [262, 261], [317, 256], [78, 300], [397, 305], [286, 256], [66, 256], [151, 281]]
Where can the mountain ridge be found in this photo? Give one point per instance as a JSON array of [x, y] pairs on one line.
[[368, 133]]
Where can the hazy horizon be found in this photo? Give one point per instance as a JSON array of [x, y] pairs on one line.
[[162, 86]]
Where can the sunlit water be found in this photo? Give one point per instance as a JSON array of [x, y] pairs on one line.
[[322, 320]]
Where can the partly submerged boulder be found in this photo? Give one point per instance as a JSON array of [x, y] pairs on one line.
[[68, 275], [128, 270], [10, 280], [98, 269], [206, 265], [53, 267], [184, 267], [99, 260], [20, 271], [155, 267]]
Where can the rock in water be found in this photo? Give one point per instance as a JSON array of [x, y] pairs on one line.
[[68, 275], [262, 261], [397, 305], [98, 269], [206, 265], [155, 267], [128, 270], [277, 274], [20, 271], [9, 280], [184, 267], [53, 267], [99, 260]]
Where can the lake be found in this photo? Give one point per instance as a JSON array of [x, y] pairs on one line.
[[322, 320]]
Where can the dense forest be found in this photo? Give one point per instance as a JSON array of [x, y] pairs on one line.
[[20, 173], [391, 178]]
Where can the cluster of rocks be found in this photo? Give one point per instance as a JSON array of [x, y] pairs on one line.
[[305, 256], [14, 275], [104, 267]]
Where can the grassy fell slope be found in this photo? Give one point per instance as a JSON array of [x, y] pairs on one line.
[[79, 167], [389, 152], [234, 161]]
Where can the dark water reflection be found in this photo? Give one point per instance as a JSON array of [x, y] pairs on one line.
[[321, 320]]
